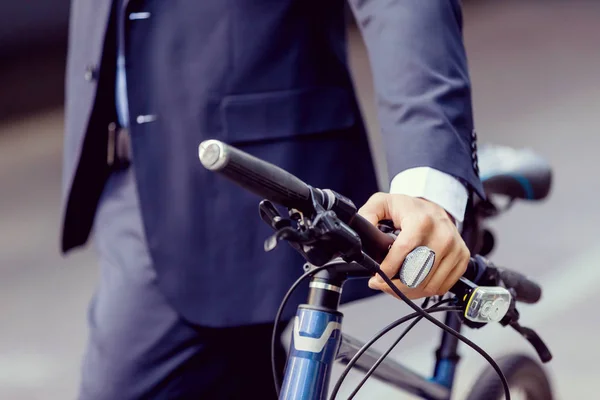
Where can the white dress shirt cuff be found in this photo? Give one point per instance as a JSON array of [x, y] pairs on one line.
[[435, 186]]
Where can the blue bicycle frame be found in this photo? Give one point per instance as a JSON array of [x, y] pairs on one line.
[[317, 342]]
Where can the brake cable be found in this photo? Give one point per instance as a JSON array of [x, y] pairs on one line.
[[404, 333]]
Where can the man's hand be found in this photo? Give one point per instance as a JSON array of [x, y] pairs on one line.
[[422, 223]]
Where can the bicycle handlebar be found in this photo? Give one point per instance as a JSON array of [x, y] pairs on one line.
[[273, 183]]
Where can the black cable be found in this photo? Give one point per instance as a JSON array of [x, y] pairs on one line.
[[389, 350], [443, 326], [276, 378], [375, 338]]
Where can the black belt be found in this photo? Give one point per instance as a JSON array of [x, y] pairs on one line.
[[118, 155]]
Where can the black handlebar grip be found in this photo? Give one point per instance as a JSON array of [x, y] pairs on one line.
[[526, 290], [260, 177], [473, 271], [375, 242]]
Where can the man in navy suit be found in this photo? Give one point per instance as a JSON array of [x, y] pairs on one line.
[[186, 297]]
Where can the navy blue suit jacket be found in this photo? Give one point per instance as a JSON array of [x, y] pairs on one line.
[[270, 77]]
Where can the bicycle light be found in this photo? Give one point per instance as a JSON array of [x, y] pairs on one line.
[[416, 266], [488, 304]]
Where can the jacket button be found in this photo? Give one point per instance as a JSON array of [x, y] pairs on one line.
[[474, 134], [90, 73], [144, 119]]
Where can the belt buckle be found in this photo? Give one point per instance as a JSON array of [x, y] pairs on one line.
[[118, 147]]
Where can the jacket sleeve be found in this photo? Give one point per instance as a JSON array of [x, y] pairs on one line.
[[422, 84]]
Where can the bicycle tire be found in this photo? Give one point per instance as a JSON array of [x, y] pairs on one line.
[[521, 372]]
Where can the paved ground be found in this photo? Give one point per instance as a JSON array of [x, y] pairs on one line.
[[535, 72]]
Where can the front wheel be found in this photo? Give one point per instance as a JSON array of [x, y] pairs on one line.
[[526, 378]]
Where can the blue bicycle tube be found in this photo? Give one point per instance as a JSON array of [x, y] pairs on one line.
[[315, 341]]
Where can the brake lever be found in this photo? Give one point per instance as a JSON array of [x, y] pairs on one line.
[[283, 229], [271, 216], [536, 341], [318, 240]]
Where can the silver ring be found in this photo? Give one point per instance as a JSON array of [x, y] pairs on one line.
[[416, 266]]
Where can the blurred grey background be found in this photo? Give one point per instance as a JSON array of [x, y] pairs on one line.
[[535, 70]]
